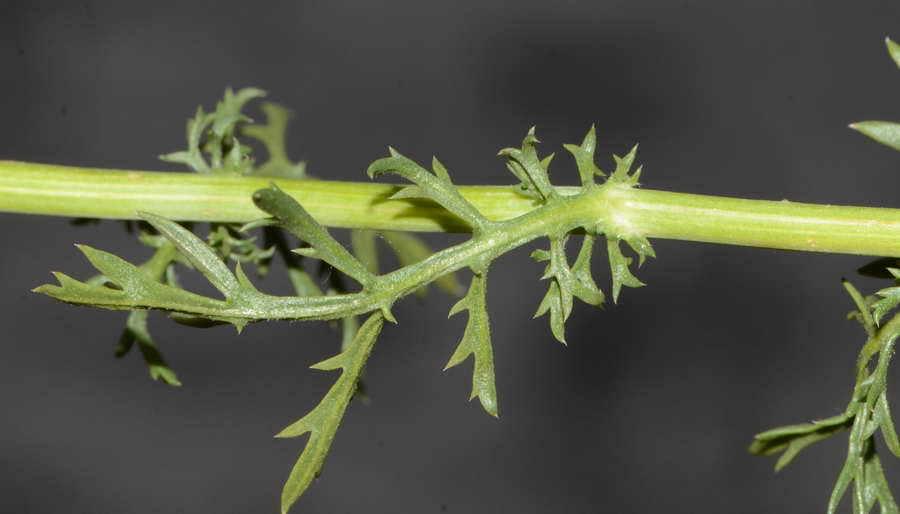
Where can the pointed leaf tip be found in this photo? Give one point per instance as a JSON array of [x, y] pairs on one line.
[[893, 50], [884, 132], [323, 421], [388, 315], [476, 341], [439, 169], [621, 275]]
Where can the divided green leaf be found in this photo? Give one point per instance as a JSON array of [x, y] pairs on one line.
[[213, 147], [231, 246], [200, 255], [136, 331], [618, 264], [867, 412], [323, 421], [272, 135], [227, 155], [434, 186], [890, 298], [296, 220], [793, 438], [477, 341], [863, 312], [567, 282], [134, 290], [528, 168], [159, 267], [193, 156], [214, 134], [584, 158], [623, 167]]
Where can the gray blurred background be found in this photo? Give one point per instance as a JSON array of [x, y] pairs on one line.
[[653, 403]]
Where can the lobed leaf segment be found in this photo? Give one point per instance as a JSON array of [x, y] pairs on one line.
[[868, 411], [213, 148], [154, 285]]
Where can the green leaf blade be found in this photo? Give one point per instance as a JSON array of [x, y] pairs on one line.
[[433, 186], [138, 289], [893, 50], [797, 445], [553, 303], [272, 136], [323, 421], [801, 435], [884, 419], [621, 275], [295, 219], [623, 167], [884, 132], [136, 331], [889, 301], [584, 158], [525, 164], [197, 252], [567, 282], [476, 341]]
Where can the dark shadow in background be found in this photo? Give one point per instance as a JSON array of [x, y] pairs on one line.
[[553, 77]]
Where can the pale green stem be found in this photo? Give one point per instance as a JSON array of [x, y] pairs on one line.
[[98, 193]]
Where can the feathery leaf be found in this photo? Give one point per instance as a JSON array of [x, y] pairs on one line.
[[623, 166], [584, 158], [297, 221], [136, 331], [434, 186], [528, 168], [323, 421], [477, 341], [618, 264], [567, 282], [272, 136]]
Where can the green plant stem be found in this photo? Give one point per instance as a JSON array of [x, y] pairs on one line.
[[118, 194]]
